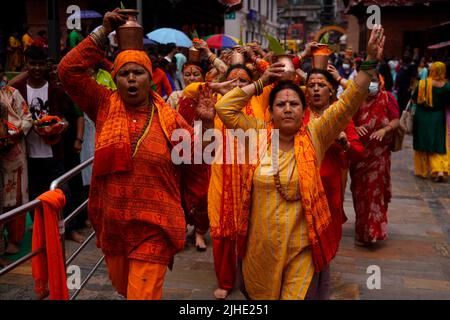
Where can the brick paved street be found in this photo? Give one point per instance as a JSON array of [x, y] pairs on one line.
[[414, 261]]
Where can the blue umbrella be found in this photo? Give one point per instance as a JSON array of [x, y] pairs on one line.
[[89, 14], [147, 41], [169, 35]]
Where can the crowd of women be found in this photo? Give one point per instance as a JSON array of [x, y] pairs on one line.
[[276, 223]]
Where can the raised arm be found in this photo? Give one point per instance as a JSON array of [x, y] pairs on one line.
[[334, 120], [72, 70], [229, 107], [78, 84]]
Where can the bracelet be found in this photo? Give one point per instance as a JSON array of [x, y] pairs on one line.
[[368, 65], [100, 38], [259, 87]]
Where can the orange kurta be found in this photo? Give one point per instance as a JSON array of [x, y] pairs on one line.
[[136, 213]]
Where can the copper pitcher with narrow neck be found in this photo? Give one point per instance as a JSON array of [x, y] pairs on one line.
[[130, 35], [289, 68]]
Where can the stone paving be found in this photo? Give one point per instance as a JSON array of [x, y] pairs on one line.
[[414, 261]]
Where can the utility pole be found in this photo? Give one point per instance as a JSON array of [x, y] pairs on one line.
[[53, 30]]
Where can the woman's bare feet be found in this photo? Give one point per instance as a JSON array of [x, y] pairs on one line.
[[220, 293], [439, 177], [76, 236], [200, 242], [12, 248]]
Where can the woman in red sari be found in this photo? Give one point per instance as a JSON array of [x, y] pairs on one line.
[[375, 122], [321, 93]]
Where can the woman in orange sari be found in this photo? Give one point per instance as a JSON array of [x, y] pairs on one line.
[[224, 192], [138, 195]]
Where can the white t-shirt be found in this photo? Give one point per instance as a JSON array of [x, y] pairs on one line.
[[38, 103]]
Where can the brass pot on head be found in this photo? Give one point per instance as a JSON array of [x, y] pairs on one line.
[[236, 56], [130, 35], [289, 68]]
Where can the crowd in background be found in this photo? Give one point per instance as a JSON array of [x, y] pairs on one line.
[[362, 150]]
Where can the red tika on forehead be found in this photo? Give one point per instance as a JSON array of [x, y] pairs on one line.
[[321, 81], [192, 66], [239, 73]]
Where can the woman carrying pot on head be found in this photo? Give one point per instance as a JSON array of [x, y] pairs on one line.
[[187, 108], [136, 196], [320, 95], [287, 242], [224, 194], [375, 122]]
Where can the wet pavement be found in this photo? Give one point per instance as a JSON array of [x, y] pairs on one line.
[[413, 263]]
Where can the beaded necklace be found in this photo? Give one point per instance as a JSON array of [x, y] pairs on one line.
[[284, 191], [137, 142]]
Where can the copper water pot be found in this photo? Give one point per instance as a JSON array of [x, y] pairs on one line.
[[194, 55], [320, 62], [130, 35], [236, 56], [289, 68]]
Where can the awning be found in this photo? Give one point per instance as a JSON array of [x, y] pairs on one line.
[[440, 45]]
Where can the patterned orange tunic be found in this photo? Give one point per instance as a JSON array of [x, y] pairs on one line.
[[136, 213]]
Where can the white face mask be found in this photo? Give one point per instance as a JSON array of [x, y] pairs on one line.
[[373, 88], [346, 66]]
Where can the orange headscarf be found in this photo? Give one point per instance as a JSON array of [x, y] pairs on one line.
[[136, 56], [113, 146]]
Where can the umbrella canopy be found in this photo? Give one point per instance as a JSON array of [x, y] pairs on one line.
[[169, 35], [147, 41], [89, 14], [220, 41]]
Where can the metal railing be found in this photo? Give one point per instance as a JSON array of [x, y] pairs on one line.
[[62, 224]]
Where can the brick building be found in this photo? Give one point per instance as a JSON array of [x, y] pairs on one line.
[[407, 24]]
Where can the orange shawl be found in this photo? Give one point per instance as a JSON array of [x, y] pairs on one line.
[[48, 267], [313, 200]]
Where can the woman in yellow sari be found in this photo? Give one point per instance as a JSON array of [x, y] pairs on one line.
[[284, 210]]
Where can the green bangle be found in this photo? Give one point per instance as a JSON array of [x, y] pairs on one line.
[[368, 65]]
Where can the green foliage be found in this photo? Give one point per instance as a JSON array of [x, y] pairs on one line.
[[274, 44], [325, 38], [121, 5]]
